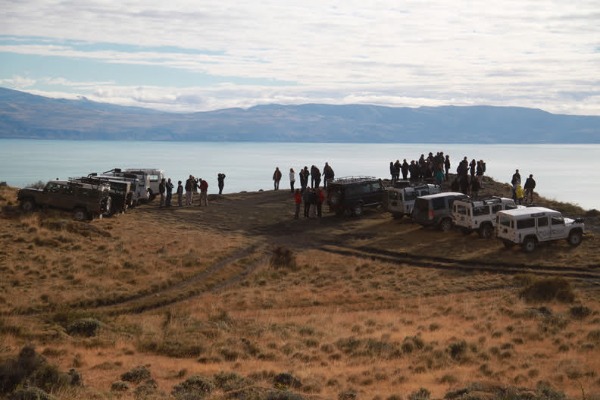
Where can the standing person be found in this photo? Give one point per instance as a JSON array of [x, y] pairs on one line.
[[179, 194], [189, 185], [404, 168], [519, 194], [392, 172], [161, 190], [221, 181], [292, 179], [203, 191], [195, 183], [516, 180], [304, 178], [297, 202], [328, 174], [315, 177], [529, 186], [397, 168], [447, 165], [479, 172], [276, 178], [169, 187], [306, 199], [320, 199]]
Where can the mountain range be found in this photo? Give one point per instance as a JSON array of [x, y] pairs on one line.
[[27, 116]]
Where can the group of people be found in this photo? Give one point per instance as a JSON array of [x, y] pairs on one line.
[[433, 168], [311, 197], [469, 177], [314, 174], [191, 187], [522, 194]]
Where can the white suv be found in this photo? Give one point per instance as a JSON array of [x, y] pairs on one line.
[[532, 225], [480, 215]]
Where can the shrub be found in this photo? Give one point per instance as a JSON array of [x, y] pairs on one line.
[[193, 387], [136, 375], [421, 394], [580, 312], [87, 327], [457, 350], [348, 395], [548, 289], [286, 380], [228, 381], [33, 369], [283, 396], [119, 386], [283, 258], [31, 393]]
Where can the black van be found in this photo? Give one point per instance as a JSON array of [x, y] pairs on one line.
[[349, 196], [436, 209]]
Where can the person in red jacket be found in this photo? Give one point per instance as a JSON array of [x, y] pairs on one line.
[[203, 192], [297, 202]]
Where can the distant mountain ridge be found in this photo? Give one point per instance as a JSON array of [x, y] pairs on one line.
[[28, 116]]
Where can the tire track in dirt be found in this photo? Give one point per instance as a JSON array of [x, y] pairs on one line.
[[590, 274], [177, 292]]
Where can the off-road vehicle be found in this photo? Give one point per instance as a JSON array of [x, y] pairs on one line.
[[480, 215], [400, 201], [86, 201], [351, 195], [120, 191], [533, 225], [436, 209], [143, 191], [154, 176]]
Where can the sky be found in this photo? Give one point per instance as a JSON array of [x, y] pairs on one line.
[[201, 55]]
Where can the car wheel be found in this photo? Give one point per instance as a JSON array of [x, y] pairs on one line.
[[486, 231], [80, 214], [507, 243], [575, 238], [446, 225], [27, 205], [529, 244], [151, 195], [357, 210], [465, 231]]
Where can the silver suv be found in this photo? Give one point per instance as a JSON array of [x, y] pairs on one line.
[[533, 225], [480, 215], [400, 201]]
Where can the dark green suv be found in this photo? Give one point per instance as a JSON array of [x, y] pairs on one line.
[[351, 195]]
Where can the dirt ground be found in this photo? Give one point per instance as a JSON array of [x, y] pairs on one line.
[[371, 307]]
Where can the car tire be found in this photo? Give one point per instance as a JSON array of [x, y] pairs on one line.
[[486, 231], [529, 244], [446, 225], [80, 214], [508, 244], [575, 238], [151, 196], [28, 205]]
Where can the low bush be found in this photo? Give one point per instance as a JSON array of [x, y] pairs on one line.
[[31, 368], [87, 327], [421, 394], [136, 375], [286, 380], [548, 289], [283, 258], [194, 387]]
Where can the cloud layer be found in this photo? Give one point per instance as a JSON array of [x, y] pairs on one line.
[[193, 56]]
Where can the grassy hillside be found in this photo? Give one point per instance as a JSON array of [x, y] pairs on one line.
[[238, 300]]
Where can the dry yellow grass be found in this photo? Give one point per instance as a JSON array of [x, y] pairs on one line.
[[191, 292]]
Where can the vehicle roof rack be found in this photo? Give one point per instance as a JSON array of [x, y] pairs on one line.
[[352, 179]]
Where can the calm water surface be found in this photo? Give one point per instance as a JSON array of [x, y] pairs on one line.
[[563, 172]]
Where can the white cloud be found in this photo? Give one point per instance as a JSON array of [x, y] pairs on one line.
[[541, 53]]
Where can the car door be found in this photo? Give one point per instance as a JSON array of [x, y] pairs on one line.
[[543, 227], [557, 227]]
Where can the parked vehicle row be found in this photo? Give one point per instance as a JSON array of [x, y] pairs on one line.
[[428, 206], [95, 195]]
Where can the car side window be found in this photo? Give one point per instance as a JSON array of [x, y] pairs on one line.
[[558, 221], [542, 221], [526, 223]]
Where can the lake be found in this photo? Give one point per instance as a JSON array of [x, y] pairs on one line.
[[566, 173]]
